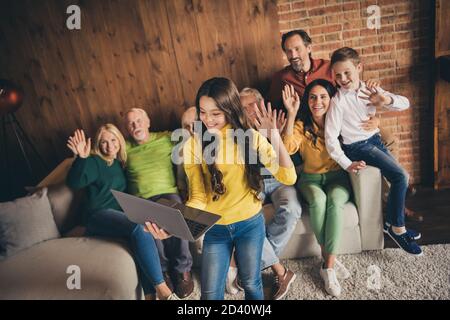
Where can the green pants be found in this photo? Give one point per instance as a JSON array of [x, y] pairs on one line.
[[326, 194]]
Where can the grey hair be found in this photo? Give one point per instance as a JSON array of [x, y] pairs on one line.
[[251, 91], [138, 110]]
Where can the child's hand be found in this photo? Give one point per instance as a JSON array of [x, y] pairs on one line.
[[291, 100], [372, 83], [78, 145], [356, 166], [375, 97], [156, 232], [371, 124]]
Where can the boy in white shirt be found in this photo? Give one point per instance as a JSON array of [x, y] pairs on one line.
[[354, 103]]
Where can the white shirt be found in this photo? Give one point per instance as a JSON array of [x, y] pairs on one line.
[[344, 117]]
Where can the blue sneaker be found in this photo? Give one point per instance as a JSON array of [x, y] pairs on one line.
[[415, 235], [405, 242]]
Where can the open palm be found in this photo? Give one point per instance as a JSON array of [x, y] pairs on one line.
[[291, 99], [78, 144]]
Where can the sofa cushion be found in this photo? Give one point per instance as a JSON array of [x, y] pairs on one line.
[[24, 222], [107, 271]]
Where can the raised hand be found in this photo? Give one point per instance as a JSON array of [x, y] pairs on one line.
[[78, 145], [281, 121], [291, 100], [372, 83], [266, 119], [375, 97]]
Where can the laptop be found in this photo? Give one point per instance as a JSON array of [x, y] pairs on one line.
[[175, 218]]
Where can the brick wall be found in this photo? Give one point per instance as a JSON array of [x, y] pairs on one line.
[[399, 54]]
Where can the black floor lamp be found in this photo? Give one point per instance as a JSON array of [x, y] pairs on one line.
[[11, 98]]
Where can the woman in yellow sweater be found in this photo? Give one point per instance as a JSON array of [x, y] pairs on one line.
[[323, 184], [223, 167]]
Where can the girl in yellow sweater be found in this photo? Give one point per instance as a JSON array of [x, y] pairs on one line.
[[223, 165]]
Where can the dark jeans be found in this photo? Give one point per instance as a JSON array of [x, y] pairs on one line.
[[174, 253], [115, 224], [374, 153]]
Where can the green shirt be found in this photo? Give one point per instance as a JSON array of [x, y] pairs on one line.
[[94, 174], [149, 166]]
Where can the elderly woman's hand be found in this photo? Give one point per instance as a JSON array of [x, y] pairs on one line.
[[78, 144]]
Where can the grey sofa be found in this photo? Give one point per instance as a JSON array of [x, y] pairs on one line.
[[107, 268]]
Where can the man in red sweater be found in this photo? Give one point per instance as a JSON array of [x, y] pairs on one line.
[[302, 68]]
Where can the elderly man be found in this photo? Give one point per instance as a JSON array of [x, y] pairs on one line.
[[151, 176], [302, 69]]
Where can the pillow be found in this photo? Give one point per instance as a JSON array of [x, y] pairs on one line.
[[25, 222]]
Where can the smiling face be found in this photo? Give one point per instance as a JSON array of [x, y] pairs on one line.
[[318, 101], [109, 144], [297, 53], [138, 124], [347, 74], [210, 114]]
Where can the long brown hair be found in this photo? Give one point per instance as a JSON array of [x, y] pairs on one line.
[[305, 114], [224, 92]]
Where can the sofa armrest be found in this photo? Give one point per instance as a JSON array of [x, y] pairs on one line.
[[367, 194]]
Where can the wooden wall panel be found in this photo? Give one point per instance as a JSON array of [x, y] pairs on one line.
[[442, 100], [129, 53]]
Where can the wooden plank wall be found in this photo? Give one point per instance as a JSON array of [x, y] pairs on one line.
[[442, 100], [129, 53]]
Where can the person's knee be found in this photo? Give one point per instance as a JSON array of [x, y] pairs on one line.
[[251, 284], [401, 178], [294, 210], [289, 212], [336, 200]]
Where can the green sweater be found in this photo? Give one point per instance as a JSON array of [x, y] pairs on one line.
[[149, 166], [94, 174]]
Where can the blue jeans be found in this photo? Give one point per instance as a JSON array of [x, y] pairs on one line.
[[374, 153], [247, 237], [279, 229], [115, 224]]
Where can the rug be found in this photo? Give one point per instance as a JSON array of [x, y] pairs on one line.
[[388, 274]]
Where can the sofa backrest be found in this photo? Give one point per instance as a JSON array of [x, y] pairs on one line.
[[65, 203], [66, 206]]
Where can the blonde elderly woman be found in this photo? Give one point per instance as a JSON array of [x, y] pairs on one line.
[[99, 171]]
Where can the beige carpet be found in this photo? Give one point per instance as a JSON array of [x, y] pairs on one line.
[[401, 276]]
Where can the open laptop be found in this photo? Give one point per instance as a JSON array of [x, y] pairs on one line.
[[176, 218]]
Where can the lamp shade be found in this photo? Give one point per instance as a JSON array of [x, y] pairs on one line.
[[11, 97]]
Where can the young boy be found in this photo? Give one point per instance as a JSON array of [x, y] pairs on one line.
[[356, 102]]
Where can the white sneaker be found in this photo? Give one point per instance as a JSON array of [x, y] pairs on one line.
[[332, 285], [230, 285], [341, 271]]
